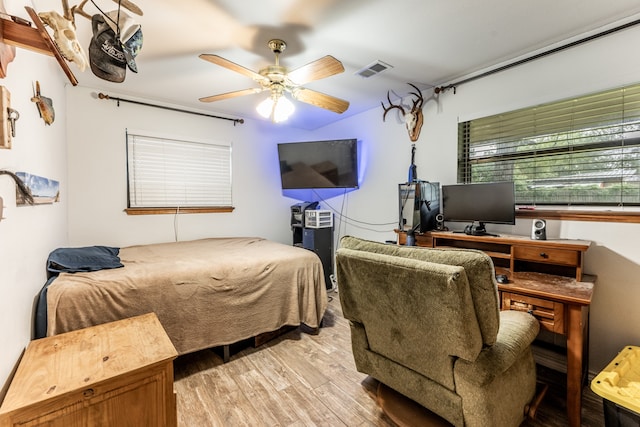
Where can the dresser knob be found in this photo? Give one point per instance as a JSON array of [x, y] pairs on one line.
[[543, 255], [88, 392]]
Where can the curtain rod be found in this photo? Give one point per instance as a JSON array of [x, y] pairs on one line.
[[105, 96], [537, 56]]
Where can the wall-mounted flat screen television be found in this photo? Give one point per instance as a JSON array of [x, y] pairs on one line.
[[319, 164], [491, 202]]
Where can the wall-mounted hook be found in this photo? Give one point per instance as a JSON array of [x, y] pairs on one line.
[[45, 105]]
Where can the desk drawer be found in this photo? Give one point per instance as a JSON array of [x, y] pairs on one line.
[[550, 314], [547, 255]]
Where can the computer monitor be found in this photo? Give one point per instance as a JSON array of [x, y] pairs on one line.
[[479, 204]]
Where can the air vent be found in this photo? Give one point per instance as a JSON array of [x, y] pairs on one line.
[[373, 69]]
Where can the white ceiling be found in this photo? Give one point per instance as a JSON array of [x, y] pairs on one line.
[[428, 43]]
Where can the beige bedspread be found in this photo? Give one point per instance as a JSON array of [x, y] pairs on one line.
[[206, 293]]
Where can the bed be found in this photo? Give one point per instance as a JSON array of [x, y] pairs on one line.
[[206, 293]]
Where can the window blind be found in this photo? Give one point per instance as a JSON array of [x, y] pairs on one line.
[[579, 151], [164, 172]]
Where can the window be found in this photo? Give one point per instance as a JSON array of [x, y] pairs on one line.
[[581, 151], [173, 173]]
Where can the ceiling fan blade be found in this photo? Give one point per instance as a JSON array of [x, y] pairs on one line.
[[218, 60], [319, 69], [228, 95], [321, 100]]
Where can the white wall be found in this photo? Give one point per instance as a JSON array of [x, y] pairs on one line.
[[98, 186], [614, 256], [29, 233]]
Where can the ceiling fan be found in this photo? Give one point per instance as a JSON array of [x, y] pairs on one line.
[[278, 80]]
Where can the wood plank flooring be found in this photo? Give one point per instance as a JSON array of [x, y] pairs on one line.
[[302, 379]]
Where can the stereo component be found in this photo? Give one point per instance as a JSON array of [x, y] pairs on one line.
[[440, 222], [539, 229]]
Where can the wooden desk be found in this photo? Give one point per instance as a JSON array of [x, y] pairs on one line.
[[546, 279]]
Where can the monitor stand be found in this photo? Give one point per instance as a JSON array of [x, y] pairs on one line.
[[477, 230]]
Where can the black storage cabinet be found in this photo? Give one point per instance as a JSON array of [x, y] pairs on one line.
[[320, 240]]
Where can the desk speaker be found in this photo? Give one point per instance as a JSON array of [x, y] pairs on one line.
[[440, 222], [539, 229]]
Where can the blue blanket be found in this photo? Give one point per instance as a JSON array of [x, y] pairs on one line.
[[72, 260], [91, 258]]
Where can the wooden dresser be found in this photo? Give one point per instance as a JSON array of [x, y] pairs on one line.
[[546, 279], [115, 374]]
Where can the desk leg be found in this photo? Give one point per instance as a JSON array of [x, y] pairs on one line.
[[575, 348]]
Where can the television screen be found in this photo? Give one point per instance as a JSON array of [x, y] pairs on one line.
[[319, 164], [492, 202]]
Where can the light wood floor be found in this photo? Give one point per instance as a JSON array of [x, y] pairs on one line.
[[301, 379]]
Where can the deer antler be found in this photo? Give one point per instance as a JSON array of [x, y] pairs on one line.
[[79, 9], [67, 13], [417, 103], [413, 118], [129, 5], [125, 3], [391, 107]]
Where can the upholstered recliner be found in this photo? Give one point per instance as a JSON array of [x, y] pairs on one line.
[[426, 323]]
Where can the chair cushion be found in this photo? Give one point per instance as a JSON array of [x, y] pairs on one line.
[[517, 332]]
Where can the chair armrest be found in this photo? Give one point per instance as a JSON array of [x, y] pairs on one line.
[[517, 332]]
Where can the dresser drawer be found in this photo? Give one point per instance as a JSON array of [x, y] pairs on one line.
[[547, 255], [550, 314]]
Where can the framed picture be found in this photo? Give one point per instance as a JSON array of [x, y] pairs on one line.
[[43, 190]]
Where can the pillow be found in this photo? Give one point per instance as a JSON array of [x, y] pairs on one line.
[[91, 258]]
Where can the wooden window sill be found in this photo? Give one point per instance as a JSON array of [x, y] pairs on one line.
[[173, 211], [579, 215]]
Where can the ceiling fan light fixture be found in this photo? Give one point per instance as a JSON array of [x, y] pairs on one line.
[[278, 80], [265, 107], [283, 109], [276, 107]]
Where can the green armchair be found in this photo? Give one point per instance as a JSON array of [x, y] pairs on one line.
[[426, 323]]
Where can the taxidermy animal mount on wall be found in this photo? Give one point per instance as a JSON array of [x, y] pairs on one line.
[[64, 35], [412, 116]]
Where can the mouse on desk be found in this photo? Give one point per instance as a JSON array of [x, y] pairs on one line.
[[502, 278]]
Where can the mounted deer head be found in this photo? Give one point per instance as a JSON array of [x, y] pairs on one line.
[[412, 118]]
